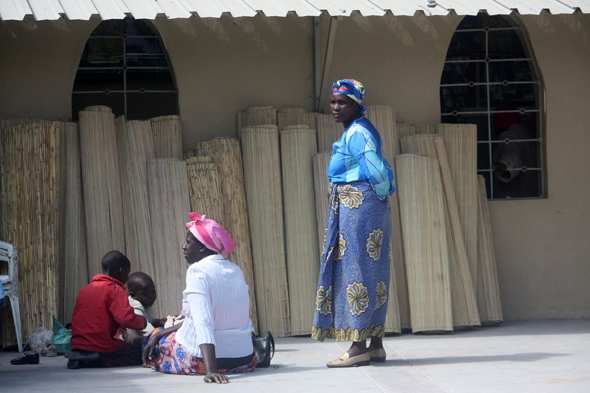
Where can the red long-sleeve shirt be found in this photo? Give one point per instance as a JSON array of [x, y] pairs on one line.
[[101, 308]]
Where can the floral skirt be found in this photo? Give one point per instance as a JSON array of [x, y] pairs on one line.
[[172, 358], [353, 286]]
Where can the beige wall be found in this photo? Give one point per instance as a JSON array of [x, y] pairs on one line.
[[224, 65], [38, 63]]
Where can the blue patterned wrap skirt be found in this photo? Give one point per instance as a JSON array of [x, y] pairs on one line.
[[353, 286]]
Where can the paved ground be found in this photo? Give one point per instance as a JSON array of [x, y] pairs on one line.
[[532, 356]]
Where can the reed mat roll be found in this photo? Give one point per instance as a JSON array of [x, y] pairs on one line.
[[405, 129], [256, 116], [205, 189], [169, 208], [189, 154], [328, 131], [101, 187], [31, 200], [461, 144], [136, 148], [490, 306], [425, 243], [398, 309], [298, 146], [11, 123], [98, 108], [262, 178], [226, 153], [463, 296], [295, 116], [425, 128], [323, 190], [167, 133], [74, 267]]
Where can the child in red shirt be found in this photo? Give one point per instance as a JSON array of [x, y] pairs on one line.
[[101, 309]]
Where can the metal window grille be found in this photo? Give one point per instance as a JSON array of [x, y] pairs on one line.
[[125, 66], [490, 73]]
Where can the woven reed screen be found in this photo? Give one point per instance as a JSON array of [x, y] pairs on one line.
[[169, 208], [461, 144], [398, 311], [463, 296], [405, 129], [101, 187], [167, 134], [328, 131], [490, 306], [74, 268], [205, 189], [323, 190], [295, 116], [226, 153], [256, 116], [262, 178], [136, 148], [30, 197], [298, 146], [425, 243]]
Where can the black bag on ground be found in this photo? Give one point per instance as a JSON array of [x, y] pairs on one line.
[[265, 349]]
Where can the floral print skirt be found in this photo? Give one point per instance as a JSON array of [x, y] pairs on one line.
[[172, 358], [353, 285]]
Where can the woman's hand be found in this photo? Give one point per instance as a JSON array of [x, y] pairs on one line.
[[149, 354], [216, 377]]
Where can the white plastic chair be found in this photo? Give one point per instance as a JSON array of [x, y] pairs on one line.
[[10, 286]]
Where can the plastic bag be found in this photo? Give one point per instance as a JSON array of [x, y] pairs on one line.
[[62, 337]]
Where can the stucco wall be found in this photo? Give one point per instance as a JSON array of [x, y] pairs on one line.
[[224, 65]]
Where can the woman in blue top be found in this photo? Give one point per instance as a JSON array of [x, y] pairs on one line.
[[354, 276]]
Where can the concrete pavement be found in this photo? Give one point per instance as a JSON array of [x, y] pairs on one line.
[[524, 356]]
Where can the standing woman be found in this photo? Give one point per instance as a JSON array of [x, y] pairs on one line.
[[354, 275], [215, 337]]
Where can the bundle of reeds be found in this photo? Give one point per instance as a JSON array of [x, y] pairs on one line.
[[405, 129], [189, 154], [425, 128], [295, 116], [490, 306], [101, 187], [323, 190], [226, 153], [425, 243], [74, 268], [463, 296], [460, 141], [256, 116], [136, 148], [262, 178], [30, 197], [328, 131], [298, 146], [398, 310], [205, 188], [169, 208], [167, 134], [98, 108]]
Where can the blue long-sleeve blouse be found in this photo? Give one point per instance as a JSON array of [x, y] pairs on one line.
[[358, 155]]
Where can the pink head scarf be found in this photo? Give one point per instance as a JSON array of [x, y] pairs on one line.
[[211, 234]]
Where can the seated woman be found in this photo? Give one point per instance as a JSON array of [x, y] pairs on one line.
[[215, 337]]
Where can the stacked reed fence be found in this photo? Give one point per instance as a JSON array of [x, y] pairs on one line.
[[425, 243], [298, 146], [328, 131], [205, 188], [226, 153], [398, 312], [295, 116], [490, 306], [256, 116], [30, 197], [262, 178], [103, 203], [463, 296], [168, 207], [323, 190], [167, 136], [136, 148]]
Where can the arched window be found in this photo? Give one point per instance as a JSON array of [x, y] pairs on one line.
[[490, 79], [125, 66]]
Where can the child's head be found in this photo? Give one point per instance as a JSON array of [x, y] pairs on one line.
[[142, 288], [115, 264]]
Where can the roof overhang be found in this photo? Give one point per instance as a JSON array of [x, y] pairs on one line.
[[173, 9]]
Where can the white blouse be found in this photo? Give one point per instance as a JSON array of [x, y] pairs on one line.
[[216, 305]]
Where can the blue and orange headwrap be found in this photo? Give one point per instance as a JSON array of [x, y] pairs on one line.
[[351, 88]]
